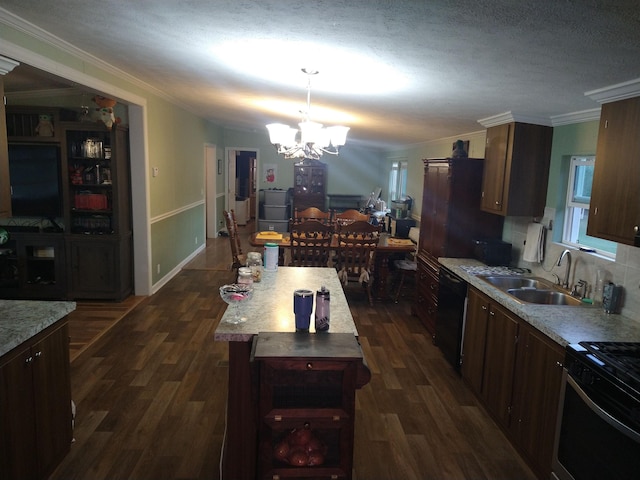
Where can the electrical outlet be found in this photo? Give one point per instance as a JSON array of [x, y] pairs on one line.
[[158, 268], [196, 239]]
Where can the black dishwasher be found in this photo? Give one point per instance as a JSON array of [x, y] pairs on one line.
[[452, 302]]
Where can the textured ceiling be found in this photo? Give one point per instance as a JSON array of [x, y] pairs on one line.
[[396, 72]]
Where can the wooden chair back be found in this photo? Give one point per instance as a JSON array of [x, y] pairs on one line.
[[234, 239], [310, 244], [357, 243], [312, 213], [350, 216]]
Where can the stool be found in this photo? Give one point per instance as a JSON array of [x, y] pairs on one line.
[[406, 267]]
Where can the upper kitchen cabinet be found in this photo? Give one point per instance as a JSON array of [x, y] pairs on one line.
[[615, 193], [516, 169]]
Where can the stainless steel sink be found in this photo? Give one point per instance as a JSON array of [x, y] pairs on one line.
[[531, 290], [506, 282], [545, 297]]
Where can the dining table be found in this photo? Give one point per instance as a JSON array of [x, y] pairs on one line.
[[270, 309], [388, 248]]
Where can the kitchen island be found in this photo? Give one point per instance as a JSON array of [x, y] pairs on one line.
[[270, 310], [35, 387]]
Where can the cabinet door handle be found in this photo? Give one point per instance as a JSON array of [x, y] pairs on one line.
[[492, 313], [484, 307], [28, 360], [635, 229], [309, 366], [37, 355], [559, 364]]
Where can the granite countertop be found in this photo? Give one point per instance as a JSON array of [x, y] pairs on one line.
[[563, 324], [271, 308], [20, 320]]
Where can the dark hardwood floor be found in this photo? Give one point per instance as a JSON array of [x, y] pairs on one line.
[[150, 391]]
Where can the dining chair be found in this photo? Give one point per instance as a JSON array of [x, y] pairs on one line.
[[312, 213], [350, 216], [357, 243], [310, 244], [237, 257]]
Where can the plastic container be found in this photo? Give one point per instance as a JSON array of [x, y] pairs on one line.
[[275, 197], [271, 251], [273, 226], [245, 277], [254, 262], [276, 212]]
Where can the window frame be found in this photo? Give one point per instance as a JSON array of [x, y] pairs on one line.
[[398, 180], [575, 208]]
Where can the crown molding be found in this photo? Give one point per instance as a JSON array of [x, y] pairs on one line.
[[612, 93], [6, 65], [576, 117], [44, 93], [508, 117]]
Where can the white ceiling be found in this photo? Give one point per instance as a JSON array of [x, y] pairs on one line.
[[396, 72]]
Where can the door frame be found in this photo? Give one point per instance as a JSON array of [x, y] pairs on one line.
[[230, 175]]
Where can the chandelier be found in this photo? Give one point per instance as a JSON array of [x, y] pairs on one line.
[[314, 141]]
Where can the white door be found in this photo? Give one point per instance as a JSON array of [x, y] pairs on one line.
[[211, 172]]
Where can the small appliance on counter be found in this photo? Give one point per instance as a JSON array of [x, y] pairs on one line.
[[492, 251], [401, 208]]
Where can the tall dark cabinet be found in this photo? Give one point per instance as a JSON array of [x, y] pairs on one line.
[[84, 249], [450, 219], [98, 214]]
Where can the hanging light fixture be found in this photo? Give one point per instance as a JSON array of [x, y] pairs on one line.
[[315, 139]]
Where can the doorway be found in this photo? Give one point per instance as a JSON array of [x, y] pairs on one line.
[[242, 181], [211, 172]]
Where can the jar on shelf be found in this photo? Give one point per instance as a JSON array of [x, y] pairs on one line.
[[254, 262], [244, 276]]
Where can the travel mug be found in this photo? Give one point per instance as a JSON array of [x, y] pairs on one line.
[[302, 307]]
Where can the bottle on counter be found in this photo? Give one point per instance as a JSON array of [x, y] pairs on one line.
[[245, 276], [322, 310]]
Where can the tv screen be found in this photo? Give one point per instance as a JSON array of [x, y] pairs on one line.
[[34, 173]]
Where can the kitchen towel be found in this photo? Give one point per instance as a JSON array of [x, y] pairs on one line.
[[534, 245]]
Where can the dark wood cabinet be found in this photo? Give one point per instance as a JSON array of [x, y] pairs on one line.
[[614, 212], [34, 266], [92, 254], [309, 185], [515, 370], [5, 186], [35, 395], [449, 221], [516, 172], [306, 390], [99, 244], [536, 393]]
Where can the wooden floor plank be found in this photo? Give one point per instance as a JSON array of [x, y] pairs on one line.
[[151, 391]]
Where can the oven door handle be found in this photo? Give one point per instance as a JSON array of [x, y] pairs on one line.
[[615, 423]]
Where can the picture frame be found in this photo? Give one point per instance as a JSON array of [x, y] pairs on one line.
[[219, 166]]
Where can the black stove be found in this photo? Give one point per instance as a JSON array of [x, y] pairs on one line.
[[609, 371]]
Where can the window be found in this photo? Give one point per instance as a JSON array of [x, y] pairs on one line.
[[577, 208], [398, 181]]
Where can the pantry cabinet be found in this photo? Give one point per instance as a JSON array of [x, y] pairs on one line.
[[516, 172], [35, 395], [614, 212], [515, 371], [450, 219]]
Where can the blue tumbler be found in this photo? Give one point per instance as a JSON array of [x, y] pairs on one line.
[[302, 307]]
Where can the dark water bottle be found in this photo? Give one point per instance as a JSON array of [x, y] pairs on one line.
[[322, 310]]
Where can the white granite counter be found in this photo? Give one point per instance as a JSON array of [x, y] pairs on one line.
[[271, 308], [22, 319], [564, 324]]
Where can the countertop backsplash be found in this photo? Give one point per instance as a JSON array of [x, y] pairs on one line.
[[625, 270]]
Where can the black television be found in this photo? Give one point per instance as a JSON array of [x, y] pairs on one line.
[[34, 174]]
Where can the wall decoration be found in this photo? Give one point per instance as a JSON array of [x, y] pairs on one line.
[[269, 172], [460, 148]]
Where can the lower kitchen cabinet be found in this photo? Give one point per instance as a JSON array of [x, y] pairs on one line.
[[536, 393], [515, 370], [425, 305], [35, 405]]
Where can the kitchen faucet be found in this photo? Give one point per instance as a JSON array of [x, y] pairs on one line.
[[567, 254]]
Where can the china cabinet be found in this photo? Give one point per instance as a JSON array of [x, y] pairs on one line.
[[309, 184]]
